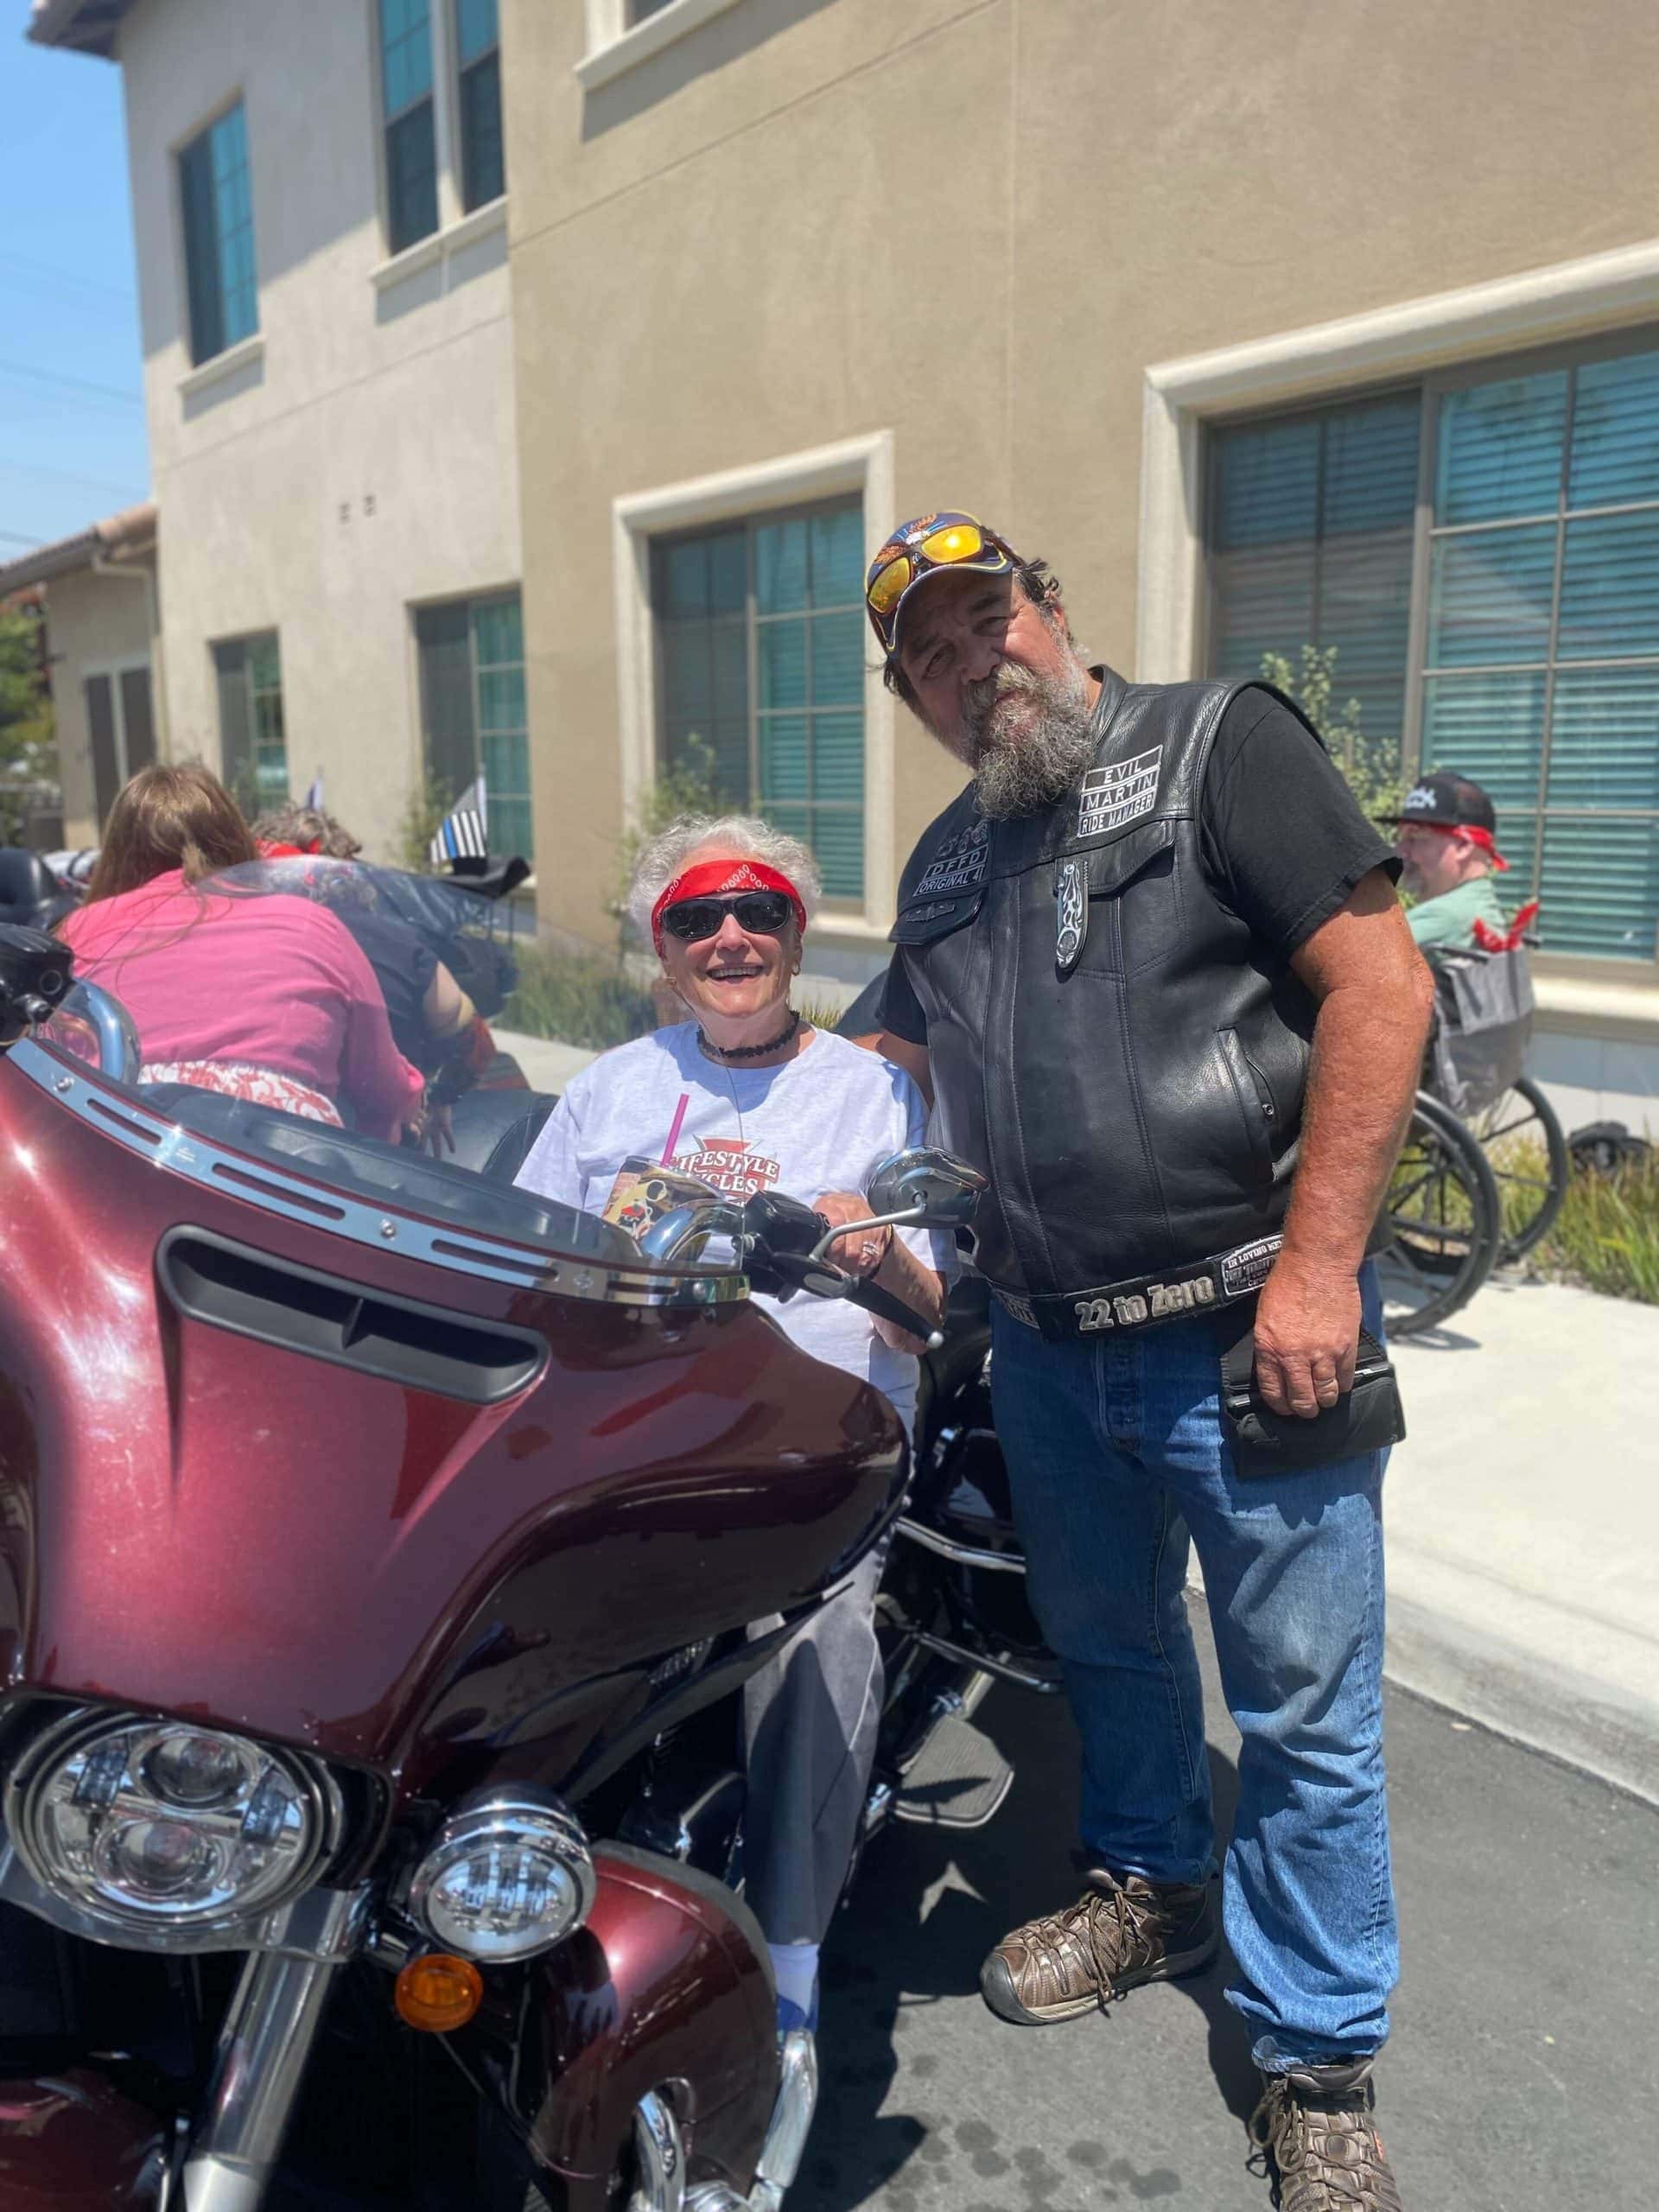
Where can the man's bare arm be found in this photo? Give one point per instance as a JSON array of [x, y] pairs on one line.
[[1374, 997], [912, 1057]]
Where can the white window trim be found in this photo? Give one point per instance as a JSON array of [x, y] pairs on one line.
[[1567, 299], [441, 245], [115, 669], [615, 45], [862, 465], [220, 365]]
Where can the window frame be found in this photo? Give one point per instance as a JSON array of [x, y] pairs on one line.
[[459, 71], [247, 639], [456, 223], [616, 41], [754, 621], [437, 26], [204, 365], [111, 672], [466, 602], [1434, 385]]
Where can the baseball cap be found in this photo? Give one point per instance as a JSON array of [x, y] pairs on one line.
[[1447, 801], [928, 545]]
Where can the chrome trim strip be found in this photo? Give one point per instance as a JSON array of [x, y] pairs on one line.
[[272, 1188], [658, 2156], [963, 1555], [1004, 1670]]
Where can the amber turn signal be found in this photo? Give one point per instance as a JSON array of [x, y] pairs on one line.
[[438, 1992]]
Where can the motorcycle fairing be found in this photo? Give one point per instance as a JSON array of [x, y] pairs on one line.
[[668, 1986], [71, 2142], [333, 1552]]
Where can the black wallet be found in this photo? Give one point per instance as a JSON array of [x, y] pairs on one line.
[[1368, 1418]]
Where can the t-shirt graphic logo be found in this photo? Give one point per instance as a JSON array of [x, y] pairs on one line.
[[728, 1164], [1121, 792]]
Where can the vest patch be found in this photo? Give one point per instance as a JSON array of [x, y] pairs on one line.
[[1248, 1266], [1120, 793], [959, 862], [1071, 915]]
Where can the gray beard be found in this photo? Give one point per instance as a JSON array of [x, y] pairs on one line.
[[1022, 770]]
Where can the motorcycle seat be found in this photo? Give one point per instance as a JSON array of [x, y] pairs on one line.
[[495, 1129]]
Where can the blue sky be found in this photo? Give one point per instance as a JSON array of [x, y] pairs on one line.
[[68, 296]]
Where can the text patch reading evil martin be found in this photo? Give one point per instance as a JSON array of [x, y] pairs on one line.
[[1120, 792]]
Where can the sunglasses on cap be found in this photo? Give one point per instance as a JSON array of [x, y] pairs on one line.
[[762, 913], [936, 541]]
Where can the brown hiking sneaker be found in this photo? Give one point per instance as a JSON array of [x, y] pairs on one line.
[[1118, 1934], [1320, 2146]]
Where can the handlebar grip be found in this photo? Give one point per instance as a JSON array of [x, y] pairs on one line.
[[886, 1308]]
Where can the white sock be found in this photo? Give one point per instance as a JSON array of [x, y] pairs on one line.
[[795, 1968]]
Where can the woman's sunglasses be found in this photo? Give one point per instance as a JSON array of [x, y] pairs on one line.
[[762, 913]]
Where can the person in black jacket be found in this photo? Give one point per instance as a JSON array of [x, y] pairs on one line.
[[1151, 964]]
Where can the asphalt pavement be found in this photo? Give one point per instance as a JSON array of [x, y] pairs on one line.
[[1521, 2075]]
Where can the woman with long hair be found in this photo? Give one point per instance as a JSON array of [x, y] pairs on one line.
[[265, 997]]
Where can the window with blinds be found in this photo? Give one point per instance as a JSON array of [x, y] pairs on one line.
[[1311, 520], [1540, 675], [253, 745], [410, 122], [478, 87], [760, 635], [473, 717], [216, 203]]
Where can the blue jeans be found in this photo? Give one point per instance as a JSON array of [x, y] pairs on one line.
[[1116, 1454]]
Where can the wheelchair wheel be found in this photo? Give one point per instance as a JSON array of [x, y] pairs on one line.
[[1526, 1151], [1446, 1222]]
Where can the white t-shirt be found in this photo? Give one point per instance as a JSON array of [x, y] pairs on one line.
[[823, 1122]]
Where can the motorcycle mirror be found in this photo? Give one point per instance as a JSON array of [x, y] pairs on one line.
[[932, 1187]]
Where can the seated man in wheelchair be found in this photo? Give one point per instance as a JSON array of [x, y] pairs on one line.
[[1446, 839]]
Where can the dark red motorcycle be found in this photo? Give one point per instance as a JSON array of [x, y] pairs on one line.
[[377, 1545]]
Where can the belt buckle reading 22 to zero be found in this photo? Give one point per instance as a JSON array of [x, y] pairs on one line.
[[1132, 1309]]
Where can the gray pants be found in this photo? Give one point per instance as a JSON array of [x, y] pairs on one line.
[[809, 1722]]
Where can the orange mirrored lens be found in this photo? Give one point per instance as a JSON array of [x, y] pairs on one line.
[[885, 592], [439, 1993], [959, 541]]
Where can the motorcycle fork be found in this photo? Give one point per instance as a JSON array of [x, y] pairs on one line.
[[263, 2048]]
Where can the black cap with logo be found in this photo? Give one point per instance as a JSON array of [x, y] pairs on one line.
[[1447, 802]]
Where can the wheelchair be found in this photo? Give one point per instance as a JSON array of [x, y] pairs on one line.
[[1484, 1170]]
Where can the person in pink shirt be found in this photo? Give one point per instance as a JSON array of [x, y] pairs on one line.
[[264, 997]]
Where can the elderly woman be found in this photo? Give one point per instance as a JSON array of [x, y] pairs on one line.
[[747, 1097]]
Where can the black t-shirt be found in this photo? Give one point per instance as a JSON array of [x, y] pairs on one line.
[[1282, 839]]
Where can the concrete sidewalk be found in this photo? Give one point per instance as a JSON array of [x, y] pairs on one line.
[[1522, 1524]]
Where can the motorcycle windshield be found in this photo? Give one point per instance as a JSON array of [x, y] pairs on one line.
[[511, 969]]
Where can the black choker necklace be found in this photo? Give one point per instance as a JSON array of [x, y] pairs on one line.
[[750, 1051]]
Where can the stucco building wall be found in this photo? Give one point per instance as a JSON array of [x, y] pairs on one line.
[[971, 227], [358, 457]]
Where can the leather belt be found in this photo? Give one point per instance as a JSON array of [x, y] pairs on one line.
[[1142, 1301]]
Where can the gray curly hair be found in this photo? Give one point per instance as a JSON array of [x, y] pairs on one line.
[[741, 835]]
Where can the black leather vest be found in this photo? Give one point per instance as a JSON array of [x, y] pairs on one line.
[[1109, 1043]]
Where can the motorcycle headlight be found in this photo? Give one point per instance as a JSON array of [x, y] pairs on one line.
[[508, 1874], [158, 1826]]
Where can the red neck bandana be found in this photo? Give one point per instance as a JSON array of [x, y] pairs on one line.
[[718, 879]]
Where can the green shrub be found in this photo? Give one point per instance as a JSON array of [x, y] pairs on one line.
[[1606, 1235], [579, 998]]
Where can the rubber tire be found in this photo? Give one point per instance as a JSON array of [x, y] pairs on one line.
[[1515, 1248], [1459, 1283]]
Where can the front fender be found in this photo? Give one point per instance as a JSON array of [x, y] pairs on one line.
[[667, 1987], [71, 2142]]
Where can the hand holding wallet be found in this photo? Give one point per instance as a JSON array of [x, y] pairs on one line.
[[1368, 1418]]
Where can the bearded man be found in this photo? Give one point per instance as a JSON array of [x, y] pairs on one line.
[[1151, 964]]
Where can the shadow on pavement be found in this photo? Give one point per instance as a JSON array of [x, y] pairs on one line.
[[927, 1906]]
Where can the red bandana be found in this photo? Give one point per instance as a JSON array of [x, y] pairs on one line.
[[1483, 838], [716, 878]]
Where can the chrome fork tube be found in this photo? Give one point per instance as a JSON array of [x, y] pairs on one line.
[[263, 2049]]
